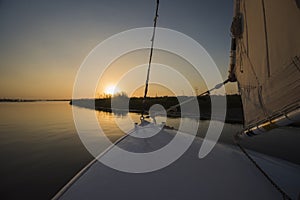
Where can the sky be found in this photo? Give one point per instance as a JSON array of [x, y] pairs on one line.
[[43, 43]]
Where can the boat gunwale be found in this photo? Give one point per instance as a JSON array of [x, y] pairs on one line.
[[62, 191], [69, 184]]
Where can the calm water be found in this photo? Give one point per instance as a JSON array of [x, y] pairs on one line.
[[40, 150]]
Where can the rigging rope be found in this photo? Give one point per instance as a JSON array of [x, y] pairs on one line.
[[150, 58], [149, 67], [202, 94], [284, 195]]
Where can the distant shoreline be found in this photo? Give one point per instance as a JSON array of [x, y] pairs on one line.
[[31, 100], [234, 106]]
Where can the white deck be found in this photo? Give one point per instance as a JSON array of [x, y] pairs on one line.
[[225, 173]]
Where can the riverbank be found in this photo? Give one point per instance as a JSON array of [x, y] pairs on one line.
[[120, 103], [5, 100]]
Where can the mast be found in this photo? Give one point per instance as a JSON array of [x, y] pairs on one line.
[[150, 59], [234, 36]]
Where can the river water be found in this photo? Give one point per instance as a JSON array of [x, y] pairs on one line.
[[40, 149]]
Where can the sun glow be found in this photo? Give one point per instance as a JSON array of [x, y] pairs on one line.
[[111, 90]]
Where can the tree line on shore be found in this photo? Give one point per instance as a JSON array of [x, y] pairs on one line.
[[121, 103]]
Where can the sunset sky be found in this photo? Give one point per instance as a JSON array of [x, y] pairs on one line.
[[43, 43]]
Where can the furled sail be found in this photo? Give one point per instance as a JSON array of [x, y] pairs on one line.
[[265, 61]]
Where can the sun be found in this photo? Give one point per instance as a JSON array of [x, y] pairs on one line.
[[110, 90]]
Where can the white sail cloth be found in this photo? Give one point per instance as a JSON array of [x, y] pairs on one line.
[[268, 59]]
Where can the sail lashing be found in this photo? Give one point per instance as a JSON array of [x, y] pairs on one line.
[[265, 62]]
